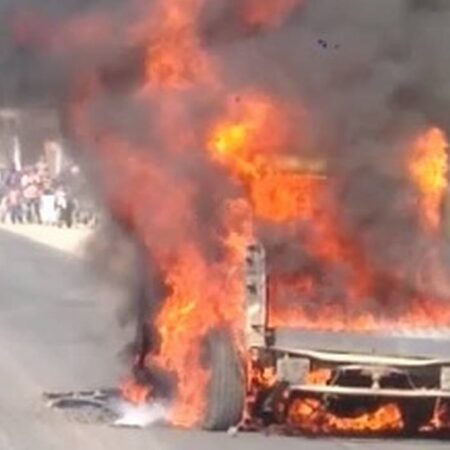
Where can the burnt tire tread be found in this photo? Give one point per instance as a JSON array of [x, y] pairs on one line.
[[226, 389]]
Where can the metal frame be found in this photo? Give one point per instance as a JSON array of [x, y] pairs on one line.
[[261, 338], [321, 390], [351, 358], [256, 296]]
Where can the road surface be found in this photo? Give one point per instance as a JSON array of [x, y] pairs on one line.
[[57, 332]]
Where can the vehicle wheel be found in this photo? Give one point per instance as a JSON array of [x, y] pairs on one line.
[[416, 414], [226, 388]]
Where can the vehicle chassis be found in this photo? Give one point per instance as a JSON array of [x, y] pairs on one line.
[[366, 370]]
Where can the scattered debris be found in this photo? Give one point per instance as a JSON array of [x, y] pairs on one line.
[[105, 406], [97, 406]]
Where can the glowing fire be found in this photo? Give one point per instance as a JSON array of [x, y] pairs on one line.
[[250, 143], [310, 416], [253, 131], [194, 307], [270, 12], [195, 196], [134, 392], [175, 58], [429, 169]]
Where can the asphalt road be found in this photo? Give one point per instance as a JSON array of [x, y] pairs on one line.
[[57, 332]]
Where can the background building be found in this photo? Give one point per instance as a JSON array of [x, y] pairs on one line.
[[26, 135]]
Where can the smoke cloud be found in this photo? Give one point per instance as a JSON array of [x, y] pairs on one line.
[[370, 75]]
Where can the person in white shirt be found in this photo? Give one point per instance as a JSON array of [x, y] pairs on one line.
[[48, 208]]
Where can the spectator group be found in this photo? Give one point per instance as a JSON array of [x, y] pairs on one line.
[[32, 196]]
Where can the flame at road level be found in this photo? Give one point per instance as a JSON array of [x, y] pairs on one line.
[[310, 416], [135, 393], [429, 169], [199, 301]]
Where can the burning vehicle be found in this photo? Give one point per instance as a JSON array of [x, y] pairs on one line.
[[363, 380], [293, 368], [351, 374], [276, 290]]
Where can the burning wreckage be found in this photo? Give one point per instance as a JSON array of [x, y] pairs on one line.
[[298, 371], [295, 259]]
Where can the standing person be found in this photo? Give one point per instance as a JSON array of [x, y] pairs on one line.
[[25, 178], [3, 208], [36, 203], [65, 206], [48, 213], [61, 203], [24, 184], [27, 193], [3, 197], [13, 179], [14, 205], [31, 195], [69, 213]]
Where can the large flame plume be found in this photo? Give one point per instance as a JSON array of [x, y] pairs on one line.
[[242, 121], [246, 155]]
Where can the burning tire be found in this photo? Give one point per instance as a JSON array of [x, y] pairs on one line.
[[226, 389]]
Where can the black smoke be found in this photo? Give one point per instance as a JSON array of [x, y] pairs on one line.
[[370, 74]]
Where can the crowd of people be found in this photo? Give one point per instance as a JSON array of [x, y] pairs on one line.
[[31, 196]]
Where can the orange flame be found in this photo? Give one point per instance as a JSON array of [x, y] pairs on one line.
[[269, 12], [199, 302], [253, 130], [310, 416], [175, 57], [249, 143], [134, 392], [428, 170]]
